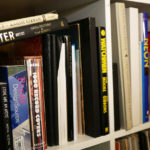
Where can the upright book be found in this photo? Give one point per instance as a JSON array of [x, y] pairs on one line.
[[15, 77], [49, 44], [144, 64], [36, 101], [90, 76], [132, 16], [121, 57], [6, 138], [103, 87]]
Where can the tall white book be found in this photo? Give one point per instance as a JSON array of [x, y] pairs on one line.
[[62, 98], [121, 57], [132, 16]]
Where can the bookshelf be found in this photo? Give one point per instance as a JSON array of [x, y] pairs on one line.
[[72, 10]]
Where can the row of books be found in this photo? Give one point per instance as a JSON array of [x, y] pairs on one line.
[[131, 61], [56, 68], [137, 141]]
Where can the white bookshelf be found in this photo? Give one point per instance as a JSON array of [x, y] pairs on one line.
[[100, 9]]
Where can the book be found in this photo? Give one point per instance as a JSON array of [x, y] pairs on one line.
[[69, 87], [15, 77], [116, 97], [28, 21], [49, 50], [132, 17], [149, 71], [142, 141], [121, 57], [36, 101], [74, 32], [144, 65], [21, 33], [5, 119], [90, 76], [62, 97], [103, 87], [74, 89]]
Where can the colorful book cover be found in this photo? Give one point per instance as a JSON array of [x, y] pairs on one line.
[[15, 76], [36, 102], [5, 125], [145, 66]]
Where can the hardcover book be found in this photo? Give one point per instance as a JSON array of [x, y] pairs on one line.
[[90, 78], [15, 77], [120, 56], [21, 33], [36, 101], [50, 85], [103, 87], [6, 138], [144, 65]]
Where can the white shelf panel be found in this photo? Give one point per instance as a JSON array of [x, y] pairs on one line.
[[138, 128], [82, 142], [139, 1]]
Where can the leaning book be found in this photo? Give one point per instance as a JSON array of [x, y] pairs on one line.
[[15, 77], [36, 101]]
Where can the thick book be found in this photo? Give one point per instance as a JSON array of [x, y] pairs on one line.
[[132, 16], [116, 97], [15, 77], [144, 65], [36, 101], [49, 44], [103, 81], [21, 33], [28, 20], [121, 57], [90, 76], [6, 138]]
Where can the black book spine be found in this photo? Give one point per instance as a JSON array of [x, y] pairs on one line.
[[47, 70], [25, 32], [116, 97], [69, 88], [5, 125], [90, 76], [103, 87]]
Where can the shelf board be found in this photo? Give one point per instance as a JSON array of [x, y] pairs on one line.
[[83, 141], [138, 1], [138, 128]]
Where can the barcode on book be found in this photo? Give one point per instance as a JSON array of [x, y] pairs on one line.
[[19, 143]]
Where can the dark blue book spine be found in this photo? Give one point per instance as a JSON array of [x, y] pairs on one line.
[[144, 48]]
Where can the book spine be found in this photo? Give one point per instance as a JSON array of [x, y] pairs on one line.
[[149, 72], [21, 33], [69, 89], [27, 21], [36, 102], [145, 65], [102, 60], [5, 118], [15, 76]]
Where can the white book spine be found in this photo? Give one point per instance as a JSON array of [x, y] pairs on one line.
[[27, 21], [135, 59], [74, 84], [62, 98]]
